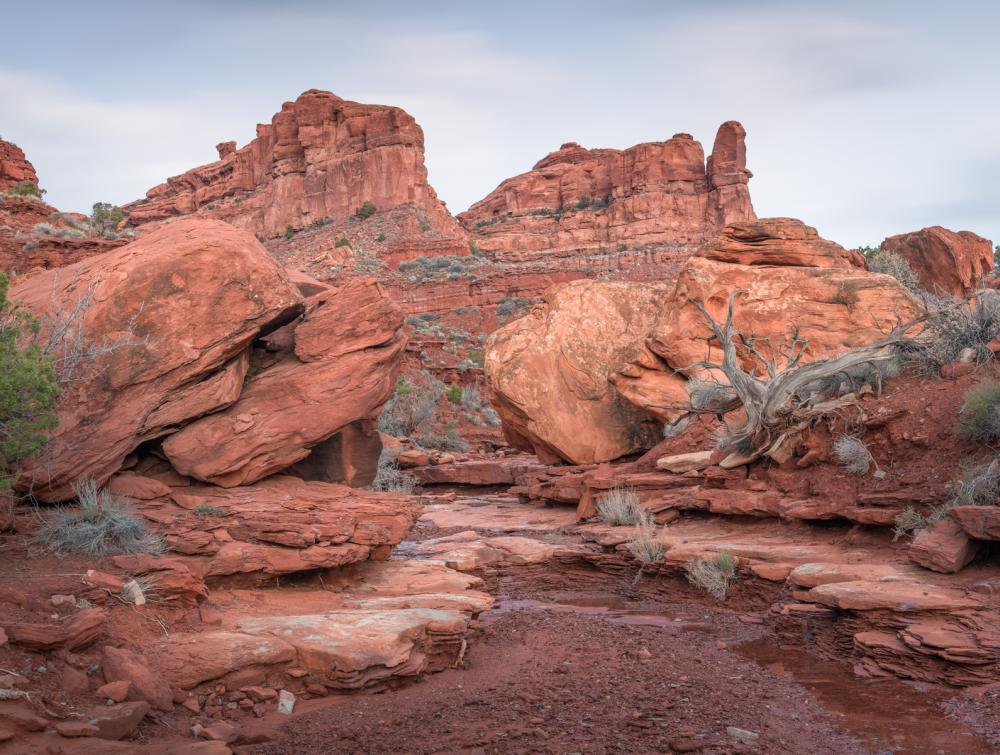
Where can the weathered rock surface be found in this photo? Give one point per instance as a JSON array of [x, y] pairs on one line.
[[943, 547], [186, 300], [789, 281], [657, 193], [979, 522], [945, 261], [342, 367], [14, 166], [280, 525], [547, 372], [319, 160]]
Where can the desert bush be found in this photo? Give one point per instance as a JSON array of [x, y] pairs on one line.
[[477, 357], [454, 394], [28, 388], [620, 506], [101, 525], [907, 523], [365, 211], [390, 478], [979, 485], [105, 219], [890, 263], [583, 203], [380, 238], [289, 232], [715, 575], [952, 327], [853, 454], [491, 417], [413, 406], [644, 545], [47, 229], [474, 249], [424, 226], [445, 438], [979, 417], [26, 189], [341, 242], [204, 509]]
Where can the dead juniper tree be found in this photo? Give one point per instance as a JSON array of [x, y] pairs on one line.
[[780, 397]]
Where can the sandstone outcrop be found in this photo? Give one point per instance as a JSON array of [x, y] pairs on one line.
[[14, 166], [342, 366], [318, 162], [652, 194], [789, 281], [948, 262], [173, 313], [547, 372]]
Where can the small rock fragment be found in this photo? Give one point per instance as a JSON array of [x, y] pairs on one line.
[[744, 735], [286, 702]]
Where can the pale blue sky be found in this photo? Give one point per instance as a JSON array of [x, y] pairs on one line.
[[863, 119]]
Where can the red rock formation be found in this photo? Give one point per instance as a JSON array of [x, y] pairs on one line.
[[341, 367], [945, 261], [318, 161], [658, 193], [193, 294], [788, 278], [14, 166], [548, 371]]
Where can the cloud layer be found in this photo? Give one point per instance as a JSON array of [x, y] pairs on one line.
[[863, 123]]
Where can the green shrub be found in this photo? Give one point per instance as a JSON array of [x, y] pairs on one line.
[[583, 203], [454, 394], [715, 575], [102, 525], [105, 219], [380, 238], [28, 389], [477, 357], [425, 226], [474, 249], [365, 211], [26, 189], [341, 242], [979, 417], [289, 232], [203, 509]]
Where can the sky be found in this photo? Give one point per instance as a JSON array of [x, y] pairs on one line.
[[864, 119]]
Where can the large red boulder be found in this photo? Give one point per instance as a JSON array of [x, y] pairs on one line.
[[945, 261], [789, 282], [340, 367], [547, 372], [159, 337]]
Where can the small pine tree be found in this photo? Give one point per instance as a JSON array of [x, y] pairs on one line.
[[104, 218], [28, 389]]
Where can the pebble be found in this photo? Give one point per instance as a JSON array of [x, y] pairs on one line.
[[744, 735]]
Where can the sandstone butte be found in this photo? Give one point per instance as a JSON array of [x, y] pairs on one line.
[[595, 349], [318, 161], [14, 166], [661, 194], [946, 262]]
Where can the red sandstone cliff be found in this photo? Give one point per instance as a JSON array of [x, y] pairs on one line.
[[14, 166], [653, 194], [318, 161]]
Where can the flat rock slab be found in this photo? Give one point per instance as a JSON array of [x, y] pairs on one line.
[[902, 597], [505, 516], [467, 551], [504, 471]]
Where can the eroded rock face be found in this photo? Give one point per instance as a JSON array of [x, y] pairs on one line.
[[342, 366], [945, 261], [193, 294], [657, 193], [14, 166], [789, 280], [548, 372], [319, 160]]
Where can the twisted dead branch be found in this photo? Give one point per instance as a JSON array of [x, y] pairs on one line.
[[789, 396]]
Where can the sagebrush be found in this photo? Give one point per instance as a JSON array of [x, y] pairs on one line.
[[979, 417]]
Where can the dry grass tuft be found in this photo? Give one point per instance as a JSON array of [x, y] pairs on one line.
[[715, 575]]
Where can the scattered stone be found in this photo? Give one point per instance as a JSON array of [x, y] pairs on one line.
[[286, 702], [120, 664], [62, 600], [76, 729], [115, 691], [119, 720], [744, 735]]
